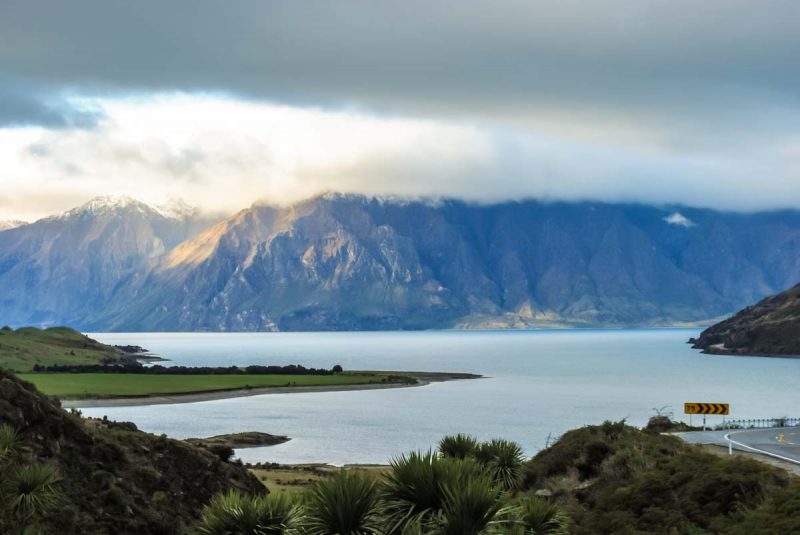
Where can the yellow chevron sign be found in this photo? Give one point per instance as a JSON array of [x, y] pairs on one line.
[[706, 408]]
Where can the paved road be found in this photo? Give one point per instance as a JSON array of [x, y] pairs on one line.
[[778, 442]]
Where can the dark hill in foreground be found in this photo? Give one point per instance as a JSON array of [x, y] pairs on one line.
[[113, 479], [771, 327]]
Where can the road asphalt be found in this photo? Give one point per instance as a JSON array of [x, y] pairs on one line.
[[778, 442]]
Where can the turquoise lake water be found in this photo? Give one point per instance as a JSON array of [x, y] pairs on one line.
[[538, 384]]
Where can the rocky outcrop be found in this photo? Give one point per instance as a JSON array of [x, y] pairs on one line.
[[115, 479], [771, 327], [249, 439]]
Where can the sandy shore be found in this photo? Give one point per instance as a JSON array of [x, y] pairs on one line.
[[423, 378]]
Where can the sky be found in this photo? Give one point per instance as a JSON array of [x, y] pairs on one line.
[[227, 103]]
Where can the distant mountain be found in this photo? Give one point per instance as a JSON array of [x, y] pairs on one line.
[[59, 269], [771, 327], [11, 223], [352, 262]]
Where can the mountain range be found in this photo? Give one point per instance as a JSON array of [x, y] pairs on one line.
[[346, 262]]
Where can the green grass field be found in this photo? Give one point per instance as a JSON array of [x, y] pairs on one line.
[[23, 348], [99, 385]]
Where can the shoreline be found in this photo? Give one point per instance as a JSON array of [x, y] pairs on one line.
[[422, 378]]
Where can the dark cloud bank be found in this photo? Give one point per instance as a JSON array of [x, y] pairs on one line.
[[710, 81]]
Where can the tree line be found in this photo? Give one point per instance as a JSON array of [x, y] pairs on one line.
[[291, 369]]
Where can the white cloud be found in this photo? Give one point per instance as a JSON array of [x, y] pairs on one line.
[[614, 100], [223, 154]]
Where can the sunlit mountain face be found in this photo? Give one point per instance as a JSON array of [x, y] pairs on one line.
[[343, 262]]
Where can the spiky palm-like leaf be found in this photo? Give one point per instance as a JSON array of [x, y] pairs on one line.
[[346, 503], [458, 446], [29, 490], [234, 513], [472, 507], [9, 443], [540, 517], [414, 490], [503, 459]]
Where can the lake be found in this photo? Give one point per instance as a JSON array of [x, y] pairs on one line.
[[538, 384]]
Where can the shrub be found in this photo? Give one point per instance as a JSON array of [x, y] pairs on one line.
[[540, 517], [242, 514], [613, 430], [9, 443], [225, 453], [470, 506], [595, 453], [28, 492], [458, 446], [503, 459], [415, 492], [346, 503]]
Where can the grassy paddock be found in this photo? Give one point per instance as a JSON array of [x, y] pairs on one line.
[[298, 478], [23, 348], [100, 385]]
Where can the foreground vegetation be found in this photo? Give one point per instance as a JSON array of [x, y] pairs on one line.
[[607, 479], [26, 347], [60, 473], [463, 488], [99, 385]]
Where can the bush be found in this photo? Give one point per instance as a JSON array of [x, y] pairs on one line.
[[345, 503], [242, 514], [458, 446], [540, 517], [225, 453], [503, 459]]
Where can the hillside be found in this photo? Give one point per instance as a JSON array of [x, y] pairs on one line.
[[347, 262], [23, 348], [770, 327], [614, 479], [112, 478]]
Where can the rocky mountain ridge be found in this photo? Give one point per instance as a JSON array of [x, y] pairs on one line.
[[347, 262]]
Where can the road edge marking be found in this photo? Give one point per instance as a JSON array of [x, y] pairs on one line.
[[762, 452]]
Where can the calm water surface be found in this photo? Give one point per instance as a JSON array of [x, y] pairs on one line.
[[538, 384]]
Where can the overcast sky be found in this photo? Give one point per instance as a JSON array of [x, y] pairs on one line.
[[226, 103]]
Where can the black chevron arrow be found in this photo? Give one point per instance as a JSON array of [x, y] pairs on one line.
[[706, 408]]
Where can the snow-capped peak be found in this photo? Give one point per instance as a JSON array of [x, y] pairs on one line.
[[109, 203], [11, 223], [176, 209], [679, 219]]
